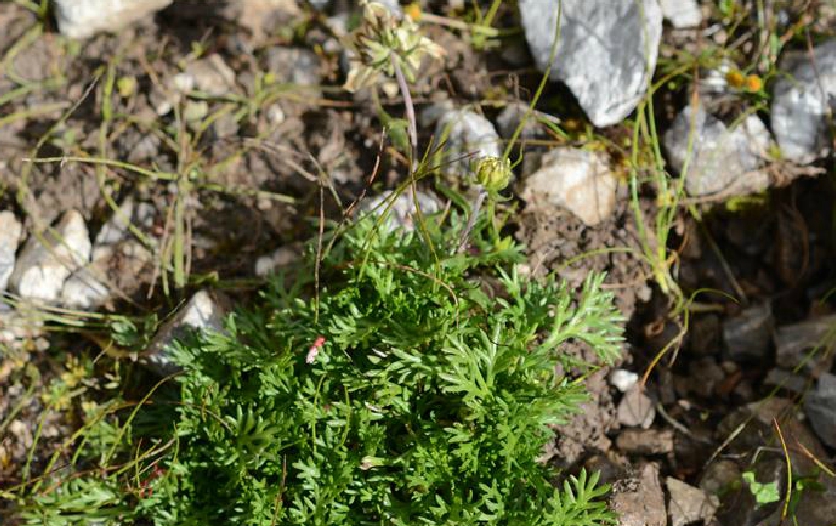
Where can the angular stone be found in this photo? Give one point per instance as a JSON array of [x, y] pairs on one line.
[[636, 409], [294, 66], [721, 161], [820, 407], [10, 231], [747, 336], [794, 343], [645, 441], [83, 18], [41, 270], [205, 311], [803, 98], [211, 75], [606, 52], [688, 504], [639, 501], [577, 180]]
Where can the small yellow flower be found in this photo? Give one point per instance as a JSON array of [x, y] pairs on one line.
[[413, 11], [753, 83], [735, 79]]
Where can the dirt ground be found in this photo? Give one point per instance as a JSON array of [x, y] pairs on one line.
[[276, 142]]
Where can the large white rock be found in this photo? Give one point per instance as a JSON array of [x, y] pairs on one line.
[[721, 161], [575, 179], [10, 230], [681, 13], [468, 137], [804, 95], [606, 53], [42, 268], [83, 18]]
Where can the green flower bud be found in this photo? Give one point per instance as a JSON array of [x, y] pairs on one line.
[[493, 173]]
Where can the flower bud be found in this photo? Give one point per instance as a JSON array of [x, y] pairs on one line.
[[493, 173]]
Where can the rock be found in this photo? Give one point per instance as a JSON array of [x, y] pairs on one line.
[[784, 379], [639, 501], [681, 13], [793, 344], [705, 375], [510, 117], [465, 137], [645, 441], [40, 271], [704, 335], [688, 504], [402, 210], [577, 180], [280, 258], [113, 253], [748, 335], [721, 161], [206, 311], [820, 407], [262, 17], [294, 66], [210, 75], [606, 53], [20, 330], [719, 477], [623, 380], [10, 231], [83, 18], [802, 100], [636, 409]]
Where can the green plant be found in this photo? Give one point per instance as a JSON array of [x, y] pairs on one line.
[[417, 387], [763, 493]]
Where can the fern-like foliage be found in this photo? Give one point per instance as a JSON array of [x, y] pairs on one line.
[[415, 387]]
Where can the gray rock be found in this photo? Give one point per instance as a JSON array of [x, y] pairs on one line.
[[748, 335], [804, 95], [721, 161], [606, 53], [645, 441], [466, 137], [294, 65], [84, 289], [639, 501], [820, 407], [578, 180], [786, 380], [211, 75], [636, 409], [83, 18], [41, 270], [719, 477], [282, 257], [206, 311], [794, 344], [681, 13], [10, 231], [688, 504], [400, 211], [510, 117]]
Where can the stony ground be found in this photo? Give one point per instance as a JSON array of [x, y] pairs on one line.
[[196, 149]]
